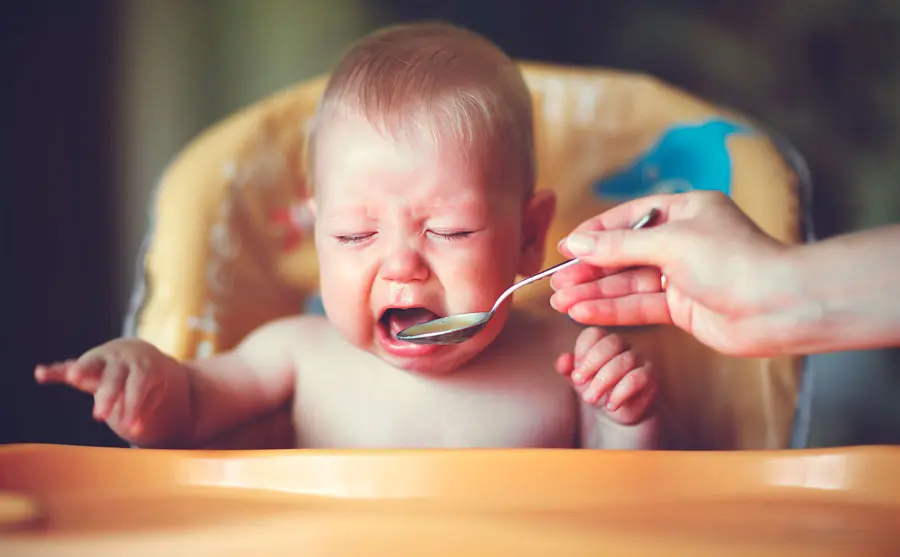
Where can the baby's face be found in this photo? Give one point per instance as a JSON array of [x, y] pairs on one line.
[[405, 235]]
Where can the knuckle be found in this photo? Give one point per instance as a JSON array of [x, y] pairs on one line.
[[614, 344], [590, 363], [614, 243], [592, 333], [587, 339], [628, 360], [639, 378], [144, 364], [596, 357], [708, 196]]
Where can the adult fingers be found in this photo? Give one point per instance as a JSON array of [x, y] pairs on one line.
[[645, 280], [622, 217], [637, 309], [627, 214], [623, 247], [577, 274]]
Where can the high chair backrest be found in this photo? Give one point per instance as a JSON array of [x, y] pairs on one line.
[[230, 245]]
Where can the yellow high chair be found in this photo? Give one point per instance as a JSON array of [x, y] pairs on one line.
[[230, 246], [230, 249]]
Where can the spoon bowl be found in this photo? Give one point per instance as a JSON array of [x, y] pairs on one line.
[[452, 329], [458, 328]]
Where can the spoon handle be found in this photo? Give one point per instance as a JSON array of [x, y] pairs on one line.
[[549, 271], [529, 280]]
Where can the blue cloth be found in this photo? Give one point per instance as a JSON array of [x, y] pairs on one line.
[[686, 157]]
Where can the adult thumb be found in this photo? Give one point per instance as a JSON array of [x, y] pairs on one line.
[[618, 248]]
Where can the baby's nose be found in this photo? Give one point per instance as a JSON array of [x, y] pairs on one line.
[[404, 265]]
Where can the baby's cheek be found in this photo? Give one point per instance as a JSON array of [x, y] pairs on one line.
[[346, 305], [476, 281]]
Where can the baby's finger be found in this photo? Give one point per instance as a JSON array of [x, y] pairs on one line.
[[116, 414], [110, 389], [635, 408], [609, 375], [632, 384], [82, 375], [565, 364], [133, 398], [586, 341], [600, 354], [142, 396], [153, 397], [85, 374], [52, 373]]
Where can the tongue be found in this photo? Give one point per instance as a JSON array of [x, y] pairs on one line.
[[400, 319]]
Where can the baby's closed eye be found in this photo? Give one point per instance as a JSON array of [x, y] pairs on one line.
[[451, 234], [354, 238]]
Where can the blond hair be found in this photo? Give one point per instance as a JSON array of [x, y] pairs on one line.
[[433, 81]]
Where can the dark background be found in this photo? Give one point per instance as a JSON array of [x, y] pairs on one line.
[[824, 74]]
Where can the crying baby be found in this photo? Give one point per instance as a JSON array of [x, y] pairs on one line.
[[421, 161]]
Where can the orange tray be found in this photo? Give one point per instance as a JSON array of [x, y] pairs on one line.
[[67, 500]]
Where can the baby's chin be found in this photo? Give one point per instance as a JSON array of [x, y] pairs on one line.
[[441, 363]]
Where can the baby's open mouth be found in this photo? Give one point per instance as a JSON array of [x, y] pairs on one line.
[[397, 319]]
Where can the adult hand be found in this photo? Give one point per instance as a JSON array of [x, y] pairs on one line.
[[704, 267]]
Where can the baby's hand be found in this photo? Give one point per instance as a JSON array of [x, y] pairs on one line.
[[608, 374], [127, 378]]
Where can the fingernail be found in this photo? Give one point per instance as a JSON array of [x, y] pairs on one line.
[[553, 303], [576, 377], [580, 244]]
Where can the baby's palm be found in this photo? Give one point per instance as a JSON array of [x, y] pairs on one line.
[[120, 375]]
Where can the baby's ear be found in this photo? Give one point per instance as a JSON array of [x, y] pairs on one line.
[[538, 216], [311, 205]]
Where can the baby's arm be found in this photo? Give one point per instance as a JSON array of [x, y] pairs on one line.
[[152, 400], [617, 389], [233, 388]]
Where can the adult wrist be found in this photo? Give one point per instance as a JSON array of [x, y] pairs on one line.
[[791, 313]]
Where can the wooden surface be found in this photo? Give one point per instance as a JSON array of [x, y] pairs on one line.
[[105, 501]]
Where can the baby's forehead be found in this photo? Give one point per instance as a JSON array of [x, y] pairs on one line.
[[356, 150]]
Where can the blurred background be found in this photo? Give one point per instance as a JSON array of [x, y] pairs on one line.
[[104, 93]]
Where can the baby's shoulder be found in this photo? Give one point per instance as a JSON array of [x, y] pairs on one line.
[[294, 330]]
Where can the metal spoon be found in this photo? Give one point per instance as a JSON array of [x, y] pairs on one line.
[[454, 329]]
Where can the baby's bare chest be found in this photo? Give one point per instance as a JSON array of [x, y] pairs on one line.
[[363, 405]]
